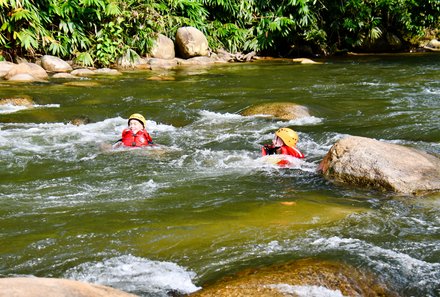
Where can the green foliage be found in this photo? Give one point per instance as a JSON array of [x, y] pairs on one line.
[[362, 22], [109, 43], [22, 25], [98, 32], [84, 59], [231, 37]]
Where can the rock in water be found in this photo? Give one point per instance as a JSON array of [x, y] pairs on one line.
[[282, 110], [366, 162], [191, 42], [55, 64], [305, 277], [51, 287]]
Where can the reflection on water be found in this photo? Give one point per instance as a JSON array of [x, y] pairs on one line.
[[205, 203]]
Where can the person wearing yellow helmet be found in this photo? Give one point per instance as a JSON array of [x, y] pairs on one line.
[[138, 117], [284, 143], [135, 135]]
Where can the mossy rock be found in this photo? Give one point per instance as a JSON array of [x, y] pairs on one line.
[[80, 120], [65, 76], [306, 274], [86, 84], [162, 78], [18, 101], [282, 110], [305, 61]]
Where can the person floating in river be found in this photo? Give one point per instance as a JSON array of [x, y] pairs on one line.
[[135, 135], [284, 143]]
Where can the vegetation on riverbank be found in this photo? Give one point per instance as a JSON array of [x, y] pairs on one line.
[[97, 32]]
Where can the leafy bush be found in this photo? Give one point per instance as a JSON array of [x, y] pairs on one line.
[[98, 32]]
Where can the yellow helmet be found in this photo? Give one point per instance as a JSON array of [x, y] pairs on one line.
[[139, 117], [289, 136]]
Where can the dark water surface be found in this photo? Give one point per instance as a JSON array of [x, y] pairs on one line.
[[152, 221]]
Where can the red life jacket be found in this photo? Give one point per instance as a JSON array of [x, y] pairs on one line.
[[285, 150], [291, 151], [141, 138]]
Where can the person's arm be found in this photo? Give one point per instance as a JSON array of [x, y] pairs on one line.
[[268, 149], [149, 139], [117, 144]]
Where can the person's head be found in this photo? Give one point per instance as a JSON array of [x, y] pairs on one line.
[[136, 122], [287, 135]]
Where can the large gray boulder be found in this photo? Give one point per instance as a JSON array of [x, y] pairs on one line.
[[163, 48], [366, 162], [55, 64], [5, 67], [51, 287], [23, 77], [433, 45], [191, 42], [27, 68]]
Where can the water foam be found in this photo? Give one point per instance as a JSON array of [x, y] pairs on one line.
[[11, 108], [219, 117], [382, 259], [404, 268], [306, 291], [47, 137], [227, 140], [137, 275]]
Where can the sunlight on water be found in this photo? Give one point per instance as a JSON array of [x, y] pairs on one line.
[[307, 291]]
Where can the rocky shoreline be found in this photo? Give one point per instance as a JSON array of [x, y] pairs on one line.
[[191, 44], [190, 48]]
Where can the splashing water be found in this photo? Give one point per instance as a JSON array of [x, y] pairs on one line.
[[204, 203]]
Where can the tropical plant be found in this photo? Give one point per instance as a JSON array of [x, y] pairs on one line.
[[98, 32], [359, 23], [22, 26]]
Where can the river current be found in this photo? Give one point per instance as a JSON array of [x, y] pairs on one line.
[[205, 204]]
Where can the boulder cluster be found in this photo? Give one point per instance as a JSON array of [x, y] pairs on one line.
[[47, 66], [190, 45]]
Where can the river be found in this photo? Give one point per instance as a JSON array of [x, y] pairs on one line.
[[207, 204]]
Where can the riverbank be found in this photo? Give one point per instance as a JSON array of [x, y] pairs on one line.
[[189, 48]]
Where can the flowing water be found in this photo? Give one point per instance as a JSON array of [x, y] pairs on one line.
[[206, 204]]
